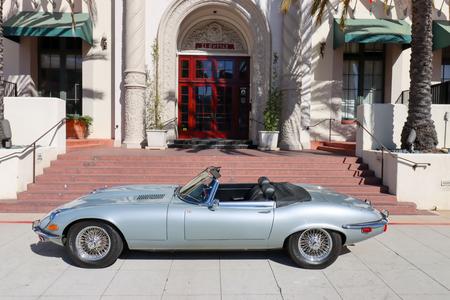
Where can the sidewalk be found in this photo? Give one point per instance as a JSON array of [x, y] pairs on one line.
[[407, 262]]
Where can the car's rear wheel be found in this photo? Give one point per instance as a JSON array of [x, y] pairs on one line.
[[314, 248], [93, 244]]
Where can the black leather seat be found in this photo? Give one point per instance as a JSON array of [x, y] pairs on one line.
[[268, 191], [257, 193]]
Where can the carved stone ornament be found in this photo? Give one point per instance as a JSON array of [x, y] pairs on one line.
[[214, 32]]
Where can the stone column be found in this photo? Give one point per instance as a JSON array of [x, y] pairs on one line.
[[296, 76], [135, 75]]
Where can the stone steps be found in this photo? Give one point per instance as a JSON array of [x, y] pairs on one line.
[[79, 172]]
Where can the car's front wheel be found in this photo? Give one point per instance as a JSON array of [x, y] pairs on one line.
[[93, 244], [314, 248]]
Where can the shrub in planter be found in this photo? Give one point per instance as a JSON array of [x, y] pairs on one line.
[[268, 139], [77, 126], [155, 131]]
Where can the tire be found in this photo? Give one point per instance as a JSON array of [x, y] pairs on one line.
[[318, 249], [93, 244]]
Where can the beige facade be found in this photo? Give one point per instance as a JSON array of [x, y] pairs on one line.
[[310, 69]]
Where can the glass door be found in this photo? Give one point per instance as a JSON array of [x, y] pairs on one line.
[[213, 97], [60, 71]]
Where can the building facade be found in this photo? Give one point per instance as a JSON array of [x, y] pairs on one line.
[[216, 62]]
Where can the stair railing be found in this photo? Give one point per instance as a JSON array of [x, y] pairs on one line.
[[413, 164], [10, 88], [33, 146], [330, 120]]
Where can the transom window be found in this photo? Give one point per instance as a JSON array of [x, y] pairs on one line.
[[363, 77]]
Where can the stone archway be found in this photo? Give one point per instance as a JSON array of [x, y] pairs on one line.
[[255, 29]]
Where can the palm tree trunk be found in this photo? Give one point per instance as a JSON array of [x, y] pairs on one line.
[[421, 67]]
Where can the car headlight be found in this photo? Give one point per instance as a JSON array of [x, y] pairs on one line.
[[46, 222]]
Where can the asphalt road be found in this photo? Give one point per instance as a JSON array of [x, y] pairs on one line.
[[407, 262]]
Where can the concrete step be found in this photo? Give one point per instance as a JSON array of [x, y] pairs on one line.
[[210, 160], [177, 179], [342, 145], [88, 187], [201, 165], [192, 172], [337, 150], [399, 208]]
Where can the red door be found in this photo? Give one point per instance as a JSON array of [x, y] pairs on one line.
[[213, 97]]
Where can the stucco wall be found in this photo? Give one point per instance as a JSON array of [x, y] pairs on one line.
[[29, 119], [97, 63], [327, 85], [385, 122], [97, 74], [428, 187]]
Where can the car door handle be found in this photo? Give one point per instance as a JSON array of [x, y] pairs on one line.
[[268, 211]]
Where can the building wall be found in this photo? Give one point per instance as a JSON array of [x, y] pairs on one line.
[[327, 86], [22, 58], [103, 69]]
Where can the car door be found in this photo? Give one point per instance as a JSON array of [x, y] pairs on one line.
[[229, 221]]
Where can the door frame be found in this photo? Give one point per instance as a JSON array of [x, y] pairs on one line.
[[236, 84]]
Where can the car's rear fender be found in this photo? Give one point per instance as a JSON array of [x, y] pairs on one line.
[[326, 226]]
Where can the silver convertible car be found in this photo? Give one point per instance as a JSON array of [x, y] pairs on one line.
[[310, 222]]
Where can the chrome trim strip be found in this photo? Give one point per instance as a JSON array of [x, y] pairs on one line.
[[376, 224]]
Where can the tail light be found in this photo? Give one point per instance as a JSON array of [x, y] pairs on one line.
[[366, 230], [385, 228]]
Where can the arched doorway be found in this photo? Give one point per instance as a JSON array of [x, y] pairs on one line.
[[217, 38]]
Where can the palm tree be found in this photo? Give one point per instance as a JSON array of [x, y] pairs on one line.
[[318, 8], [421, 67]]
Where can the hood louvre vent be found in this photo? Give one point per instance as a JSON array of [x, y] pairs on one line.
[[150, 196]]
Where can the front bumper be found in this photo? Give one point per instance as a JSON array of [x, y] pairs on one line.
[[45, 236]]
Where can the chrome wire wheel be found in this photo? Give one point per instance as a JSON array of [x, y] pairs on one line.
[[315, 245], [92, 243]]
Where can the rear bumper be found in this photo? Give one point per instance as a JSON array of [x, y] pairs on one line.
[[374, 225], [356, 232], [45, 236]]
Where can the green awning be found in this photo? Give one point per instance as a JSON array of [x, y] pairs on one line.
[[371, 31], [441, 34], [50, 25]]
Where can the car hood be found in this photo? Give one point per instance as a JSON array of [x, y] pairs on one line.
[[131, 194]]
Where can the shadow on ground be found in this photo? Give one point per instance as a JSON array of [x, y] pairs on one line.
[[48, 249]]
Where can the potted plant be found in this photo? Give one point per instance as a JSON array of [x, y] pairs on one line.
[[156, 134], [268, 138], [77, 127]]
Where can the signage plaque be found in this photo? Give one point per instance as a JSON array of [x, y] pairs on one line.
[[218, 46]]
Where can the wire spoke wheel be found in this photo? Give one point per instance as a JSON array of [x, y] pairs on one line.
[[315, 245], [92, 243]]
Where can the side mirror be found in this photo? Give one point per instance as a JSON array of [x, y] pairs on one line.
[[214, 205]]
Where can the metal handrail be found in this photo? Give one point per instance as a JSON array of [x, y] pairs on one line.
[[7, 90], [256, 121], [329, 126], [415, 165], [32, 145]]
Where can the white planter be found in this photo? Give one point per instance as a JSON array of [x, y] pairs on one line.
[[268, 140], [156, 139]]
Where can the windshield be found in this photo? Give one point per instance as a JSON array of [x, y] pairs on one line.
[[197, 189]]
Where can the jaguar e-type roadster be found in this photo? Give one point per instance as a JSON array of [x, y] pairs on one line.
[[310, 222]]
